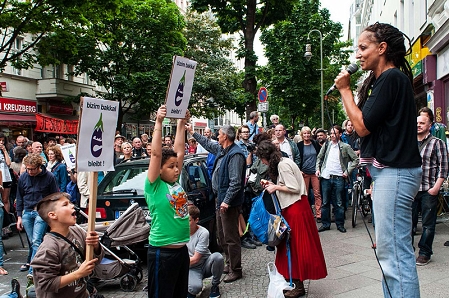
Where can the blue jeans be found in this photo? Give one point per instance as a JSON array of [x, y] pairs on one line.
[[35, 227], [393, 194], [429, 220], [332, 190], [11, 295], [2, 251]]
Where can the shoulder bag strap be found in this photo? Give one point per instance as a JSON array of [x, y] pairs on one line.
[[57, 235]]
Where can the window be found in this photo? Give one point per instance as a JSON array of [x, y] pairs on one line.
[[18, 45]]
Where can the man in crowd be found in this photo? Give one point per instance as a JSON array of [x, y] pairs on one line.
[[287, 145], [228, 179], [20, 142], [138, 150], [207, 134], [334, 164], [203, 264], [51, 141], [39, 149], [321, 136], [119, 139], [144, 137], [435, 170], [252, 124], [437, 129], [247, 147], [168, 143]]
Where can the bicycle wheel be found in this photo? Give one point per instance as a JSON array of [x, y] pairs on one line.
[[355, 203]]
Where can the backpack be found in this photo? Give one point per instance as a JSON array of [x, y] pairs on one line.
[[73, 191]]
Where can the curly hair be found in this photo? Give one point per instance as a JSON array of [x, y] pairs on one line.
[[34, 160], [166, 154], [396, 53], [267, 150], [57, 151]]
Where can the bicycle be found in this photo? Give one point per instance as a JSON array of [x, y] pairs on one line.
[[360, 200]]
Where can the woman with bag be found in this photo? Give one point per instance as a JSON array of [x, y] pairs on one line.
[[57, 166], [307, 259]]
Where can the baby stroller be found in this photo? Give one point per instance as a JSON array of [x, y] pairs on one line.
[[130, 228]]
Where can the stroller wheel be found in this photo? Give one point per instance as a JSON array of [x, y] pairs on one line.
[[128, 282], [139, 274]]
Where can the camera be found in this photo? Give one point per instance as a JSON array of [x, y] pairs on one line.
[[251, 147]]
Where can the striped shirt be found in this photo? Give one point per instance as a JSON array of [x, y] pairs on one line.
[[434, 162]]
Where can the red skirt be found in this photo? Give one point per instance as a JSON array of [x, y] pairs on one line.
[[305, 246]]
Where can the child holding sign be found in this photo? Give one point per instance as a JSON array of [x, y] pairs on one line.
[[168, 257]]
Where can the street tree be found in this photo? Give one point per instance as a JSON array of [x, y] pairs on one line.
[[216, 86], [129, 53], [246, 17], [293, 82], [36, 19]]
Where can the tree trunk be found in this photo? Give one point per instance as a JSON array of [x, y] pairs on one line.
[[249, 33]]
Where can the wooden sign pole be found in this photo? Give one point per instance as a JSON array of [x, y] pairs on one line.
[[93, 183]]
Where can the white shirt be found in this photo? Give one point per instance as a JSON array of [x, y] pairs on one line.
[[285, 146], [333, 166]]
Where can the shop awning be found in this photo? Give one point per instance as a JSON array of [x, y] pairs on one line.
[[14, 119]]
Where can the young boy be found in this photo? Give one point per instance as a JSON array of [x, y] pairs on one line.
[[168, 258], [203, 264], [59, 268]]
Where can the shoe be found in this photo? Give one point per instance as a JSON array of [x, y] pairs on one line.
[[246, 244], [341, 229], [270, 248], [232, 276], [255, 242], [214, 292], [323, 228], [15, 287], [25, 267], [190, 295], [446, 243], [298, 291], [422, 260], [318, 220], [226, 269], [30, 281]]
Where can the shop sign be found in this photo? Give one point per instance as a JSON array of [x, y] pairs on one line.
[[55, 125], [17, 106]]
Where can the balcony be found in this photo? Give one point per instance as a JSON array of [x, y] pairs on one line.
[[59, 88]]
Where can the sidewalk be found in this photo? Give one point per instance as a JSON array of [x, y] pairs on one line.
[[352, 267]]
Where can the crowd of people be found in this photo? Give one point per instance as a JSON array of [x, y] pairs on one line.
[[308, 173]]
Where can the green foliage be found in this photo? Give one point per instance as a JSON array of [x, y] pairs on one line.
[[293, 82], [38, 19], [246, 17], [129, 53], [216, 83]]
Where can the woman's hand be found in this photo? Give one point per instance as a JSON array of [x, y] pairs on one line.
[[271, 188]]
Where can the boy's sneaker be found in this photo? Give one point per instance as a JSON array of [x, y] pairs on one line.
[[30, 281], [15, 287], [214, 292], [422, 260]]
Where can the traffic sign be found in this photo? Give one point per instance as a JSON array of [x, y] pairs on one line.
[[263, 94], [263, 107]]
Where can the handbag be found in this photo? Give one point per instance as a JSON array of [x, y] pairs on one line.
[[277, 283], [278, 228]]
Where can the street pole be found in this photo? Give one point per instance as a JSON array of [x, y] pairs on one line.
[[308, 55]]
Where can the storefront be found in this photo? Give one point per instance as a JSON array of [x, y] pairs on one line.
[[17, 117]]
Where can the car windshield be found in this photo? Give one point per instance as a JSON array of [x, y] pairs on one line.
[[132, 179]]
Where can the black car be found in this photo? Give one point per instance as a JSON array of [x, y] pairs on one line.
[[124, 186]]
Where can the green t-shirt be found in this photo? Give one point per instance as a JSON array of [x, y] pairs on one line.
[[167, 204]]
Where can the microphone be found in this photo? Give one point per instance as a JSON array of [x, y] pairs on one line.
[[352, 68]]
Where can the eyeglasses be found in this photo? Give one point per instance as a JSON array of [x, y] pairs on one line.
[[245, 131], [32, 169]]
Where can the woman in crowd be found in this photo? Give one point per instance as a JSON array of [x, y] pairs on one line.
[[57, 166], [308, 150], [127, 150], [385, 119], [307, 259], [2, 270], [5, 162]]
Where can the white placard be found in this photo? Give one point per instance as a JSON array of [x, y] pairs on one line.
[[180, 87], [69, 154], [96, 135]]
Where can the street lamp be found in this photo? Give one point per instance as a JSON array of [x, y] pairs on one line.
[[308, 55]]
